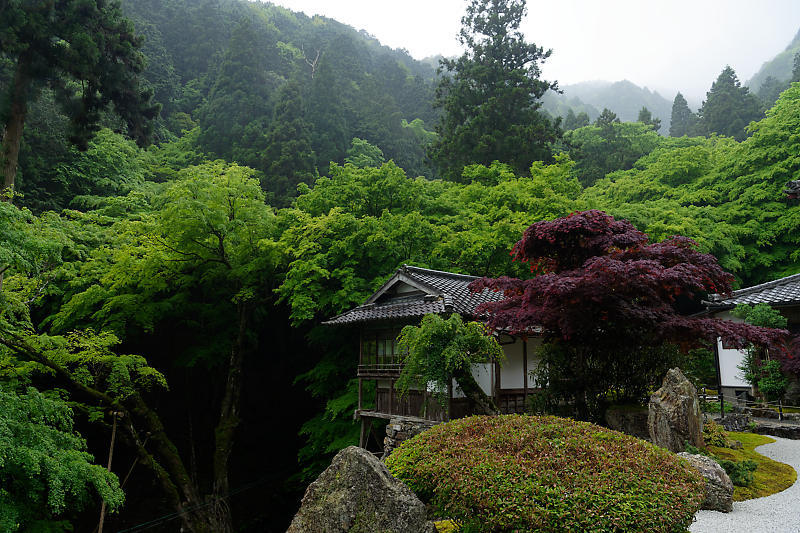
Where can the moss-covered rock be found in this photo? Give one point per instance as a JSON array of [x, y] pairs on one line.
[[357, 494]]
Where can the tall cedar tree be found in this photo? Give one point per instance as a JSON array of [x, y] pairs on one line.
[[729, 107], [646, 117], [609, 301], [84, 50], [770, 90], [491, 94], [683, 121], [288, 158]]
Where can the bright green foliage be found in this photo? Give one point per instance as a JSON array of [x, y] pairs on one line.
[[727, 196], [527, 473], [740, 472], [363, 154], [714, 434], [761, 315], [203, 244], [45, 472], [490, 95], [765, 375], [439, 350], [609, 146], [27, 243], [772, 382], [683, 121], [729, 107]]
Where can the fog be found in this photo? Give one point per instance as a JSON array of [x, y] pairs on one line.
[[667, 45]]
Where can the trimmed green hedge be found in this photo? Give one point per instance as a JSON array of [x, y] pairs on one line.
[[529, 473]]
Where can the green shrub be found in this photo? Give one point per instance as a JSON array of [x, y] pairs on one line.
[[530, 473], [740, 472], [714, 434]]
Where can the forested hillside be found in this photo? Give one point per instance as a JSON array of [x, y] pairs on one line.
[[624, 98], [172, 293], [779, 67], [257, 84]]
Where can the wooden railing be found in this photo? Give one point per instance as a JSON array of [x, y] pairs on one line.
[[380, 370]]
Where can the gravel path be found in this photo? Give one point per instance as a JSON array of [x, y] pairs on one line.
[[777, 513]]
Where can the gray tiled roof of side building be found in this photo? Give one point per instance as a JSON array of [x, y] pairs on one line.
[[447, 292], [784, 291]]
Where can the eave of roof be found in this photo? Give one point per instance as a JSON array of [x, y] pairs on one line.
[[783, 292], [446, 292]]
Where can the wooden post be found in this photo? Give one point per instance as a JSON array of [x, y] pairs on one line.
[[719, 380], [525, 374], [449, 398], [362, 437], [497, 385], [360, 347], [110, 456], [360, 393], [391, 395]]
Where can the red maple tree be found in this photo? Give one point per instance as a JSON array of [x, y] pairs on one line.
[[611, 306]]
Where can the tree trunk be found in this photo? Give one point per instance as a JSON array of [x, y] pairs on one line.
[[226, 427], [480, 403], [12, 136]]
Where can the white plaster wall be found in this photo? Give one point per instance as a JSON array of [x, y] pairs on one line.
[[512, 373], [730, 359]]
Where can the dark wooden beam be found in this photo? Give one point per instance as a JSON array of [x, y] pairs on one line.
[[525, 372]]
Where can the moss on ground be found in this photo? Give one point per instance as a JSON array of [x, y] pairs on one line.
[[769, 478]]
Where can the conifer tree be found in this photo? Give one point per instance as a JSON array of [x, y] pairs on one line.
[[646, 117], [770, 90], [88, 53], [683, 121], [729, 107], [288, 158], [796, 68], [570, 120], [491, 94]]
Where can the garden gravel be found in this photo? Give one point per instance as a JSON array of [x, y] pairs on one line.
[[777, 513]]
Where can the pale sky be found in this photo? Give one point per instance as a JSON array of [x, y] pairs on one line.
[[666, 45]]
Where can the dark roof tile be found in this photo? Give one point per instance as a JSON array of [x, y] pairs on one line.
[[784, 291], [447, 292]]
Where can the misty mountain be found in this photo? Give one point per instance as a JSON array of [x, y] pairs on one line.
[[624, 98], [779, 67]]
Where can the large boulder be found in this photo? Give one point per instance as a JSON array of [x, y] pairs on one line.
[[674, 414], [719, 488], [357, 494]]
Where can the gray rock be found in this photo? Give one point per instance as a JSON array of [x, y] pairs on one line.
[[357, 494], [735, 422], [719, 488], [674, 414]]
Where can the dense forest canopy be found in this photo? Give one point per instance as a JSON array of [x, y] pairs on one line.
[[178, 289]]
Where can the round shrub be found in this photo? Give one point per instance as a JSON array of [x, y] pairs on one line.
[[528, 473]]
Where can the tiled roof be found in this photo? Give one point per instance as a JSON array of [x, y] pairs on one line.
[[784, 291], [440, 292]]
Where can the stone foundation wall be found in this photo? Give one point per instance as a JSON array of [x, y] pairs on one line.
[[400, 429]]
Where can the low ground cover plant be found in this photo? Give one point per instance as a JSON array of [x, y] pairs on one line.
[[531, 473], [769, 477]]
